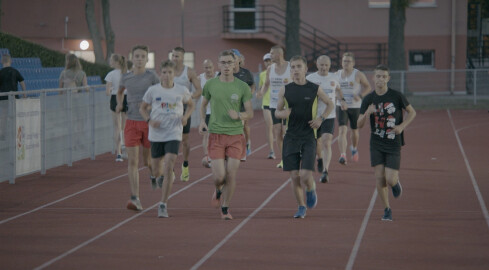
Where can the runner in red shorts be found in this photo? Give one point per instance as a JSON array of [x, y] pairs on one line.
[[226, 139], [136, 83]]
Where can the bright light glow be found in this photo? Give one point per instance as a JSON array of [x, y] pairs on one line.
[[84, 45]]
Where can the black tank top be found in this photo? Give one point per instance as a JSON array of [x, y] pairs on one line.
[[301, 100]]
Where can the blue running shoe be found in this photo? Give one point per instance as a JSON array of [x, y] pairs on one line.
[[397, 189], [311, 199], [301, 212], [387, 215]]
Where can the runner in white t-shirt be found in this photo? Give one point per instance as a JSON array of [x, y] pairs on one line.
[[330, 85], [113, 78], [166, 123], [354, 86], [209, 73]]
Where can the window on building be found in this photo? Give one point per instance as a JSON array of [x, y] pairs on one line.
[[416, 3], [188, 59], [421, 59], [244, 15]]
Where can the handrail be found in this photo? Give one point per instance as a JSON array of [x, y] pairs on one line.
[[270, 19]]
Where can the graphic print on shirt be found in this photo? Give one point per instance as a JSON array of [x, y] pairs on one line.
[[385, 120], [170, 113]]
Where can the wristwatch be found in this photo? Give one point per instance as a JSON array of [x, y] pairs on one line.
[[322, 118]]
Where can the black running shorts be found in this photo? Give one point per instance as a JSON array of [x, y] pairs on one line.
[[298, 153], [389, 160], [160, 149], [349, 114]]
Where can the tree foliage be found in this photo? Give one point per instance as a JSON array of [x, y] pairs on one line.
[[109, 33]]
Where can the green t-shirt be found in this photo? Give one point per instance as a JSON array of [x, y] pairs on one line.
[[225, 96]]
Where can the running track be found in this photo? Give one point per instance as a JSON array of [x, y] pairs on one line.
[[75, 218]]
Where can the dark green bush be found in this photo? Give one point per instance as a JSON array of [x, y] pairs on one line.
[[49, 58]]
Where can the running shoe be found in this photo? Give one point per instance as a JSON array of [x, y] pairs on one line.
[[160, 181], [311, 198], [324, 177], [216, 198], [354, 154], [162, 211], [119, 158], [320, 165], [271, 155], [342, 159], [387, 215], [134, 204], [248, 149], [185, 176], [153, 182], [301, 212], [397, 189], [226, 216], [280, 165]]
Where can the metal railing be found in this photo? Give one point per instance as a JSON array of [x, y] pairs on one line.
[[74, 125], [270, 19]]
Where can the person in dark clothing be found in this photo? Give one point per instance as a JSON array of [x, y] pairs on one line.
[[299, 147], [9, 77], [385, 107]]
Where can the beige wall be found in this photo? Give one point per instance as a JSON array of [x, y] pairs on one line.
[[156, 23]]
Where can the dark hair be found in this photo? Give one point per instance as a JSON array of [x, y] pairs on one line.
[[226, 53], [179, 49], [382, 67], [6, 58], [299, 57], [349, 54], [140, 47], [167, 64]]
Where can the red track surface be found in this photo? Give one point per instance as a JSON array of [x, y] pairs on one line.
[[75, 218]]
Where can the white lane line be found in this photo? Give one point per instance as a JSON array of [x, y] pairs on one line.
[[469, 169], [233, 232], [361, 232], [64, 198], [118, 225], [89, 188]]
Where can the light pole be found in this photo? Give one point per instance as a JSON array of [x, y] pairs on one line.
[[182, 22]]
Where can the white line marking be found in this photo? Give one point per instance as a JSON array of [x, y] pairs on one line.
[[233, 232], [469, 169], [48, 263], [363, 227], [118, 225], [87, 189], [62, 199]]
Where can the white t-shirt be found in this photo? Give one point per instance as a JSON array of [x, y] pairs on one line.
[[349, 88], [167, 108], [203, 80], [114, 77], [328, 83]]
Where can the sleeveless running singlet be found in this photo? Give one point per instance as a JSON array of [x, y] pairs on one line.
[[277, 82], [349, 87]]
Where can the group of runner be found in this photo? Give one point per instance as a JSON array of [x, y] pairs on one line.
[[299, 113]]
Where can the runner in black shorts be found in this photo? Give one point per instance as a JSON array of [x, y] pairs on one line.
[[113, 103], [384, 108], [299, 148]]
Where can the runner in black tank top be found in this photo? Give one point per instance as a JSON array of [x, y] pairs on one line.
[[299, 147], [300, 99]]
